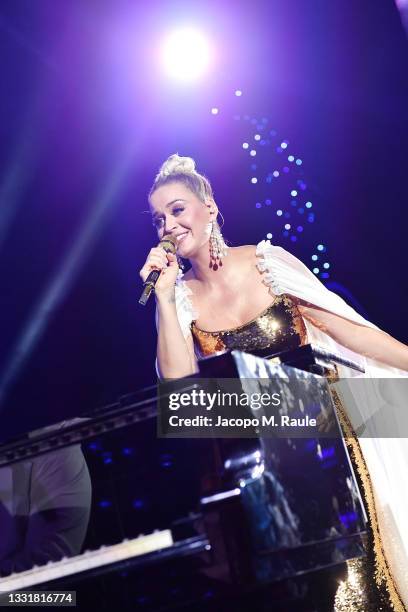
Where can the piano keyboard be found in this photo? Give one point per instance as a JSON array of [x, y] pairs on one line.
[[88, 560]]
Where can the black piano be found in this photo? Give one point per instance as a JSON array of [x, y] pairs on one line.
[[189, 522]]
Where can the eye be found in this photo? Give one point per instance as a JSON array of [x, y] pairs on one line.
[[157, 222], [177, 210]]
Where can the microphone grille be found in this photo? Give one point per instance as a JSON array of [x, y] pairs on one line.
[[169, 244]]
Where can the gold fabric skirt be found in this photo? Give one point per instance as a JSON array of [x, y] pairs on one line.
[[369, 586]]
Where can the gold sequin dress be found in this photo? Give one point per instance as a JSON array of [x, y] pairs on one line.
[[279, 327], [369, 586]]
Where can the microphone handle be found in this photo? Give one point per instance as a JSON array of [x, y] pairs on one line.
[[169, 246], [149, 285]]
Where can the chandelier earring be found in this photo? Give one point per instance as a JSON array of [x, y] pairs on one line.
[[217, 246]]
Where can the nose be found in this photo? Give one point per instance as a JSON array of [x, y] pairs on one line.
[[169, 224]]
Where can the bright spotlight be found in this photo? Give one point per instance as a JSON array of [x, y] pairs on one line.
[[186, 54]]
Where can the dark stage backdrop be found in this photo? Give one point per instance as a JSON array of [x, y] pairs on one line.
[[86, 120]]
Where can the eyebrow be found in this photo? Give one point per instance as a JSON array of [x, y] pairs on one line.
[[169, 204]]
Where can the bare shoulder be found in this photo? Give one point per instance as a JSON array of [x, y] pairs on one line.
[[245, 252], [246, 248]]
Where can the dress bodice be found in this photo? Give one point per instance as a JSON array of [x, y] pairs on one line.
[[279, 327]]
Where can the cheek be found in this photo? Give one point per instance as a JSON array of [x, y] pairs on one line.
[[201, 223]]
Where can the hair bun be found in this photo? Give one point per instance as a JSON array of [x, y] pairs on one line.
[[175, 164]]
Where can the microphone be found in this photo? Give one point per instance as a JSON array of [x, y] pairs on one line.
[[169, 245]]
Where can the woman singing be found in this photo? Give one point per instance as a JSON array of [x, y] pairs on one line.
[[257, 297]]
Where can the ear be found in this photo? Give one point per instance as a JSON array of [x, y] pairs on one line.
[[213, 208]]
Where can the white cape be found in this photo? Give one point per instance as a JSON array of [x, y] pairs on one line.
[[386, 458]]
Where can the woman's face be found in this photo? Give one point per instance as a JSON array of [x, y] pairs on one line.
[[178, 211]]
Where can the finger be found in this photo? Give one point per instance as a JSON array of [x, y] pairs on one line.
[[158, 260], [161, 249], [157, 254], [145, 271], [156, 249]]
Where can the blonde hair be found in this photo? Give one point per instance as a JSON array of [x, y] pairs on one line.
[[183, 170]]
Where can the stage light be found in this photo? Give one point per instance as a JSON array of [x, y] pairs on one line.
[[284, 145], [326, 265], [166, 461], [276, 174], [279, 213], [215, 111], [287, 226], [257, 137], [105, 503], [138, 504], [308, 205], [299, 162], [316, 270], [186, 54], [238, 93], [315, 257], [269, 236], [293, 193], [245, 145], [291, 158], [320, 247], [252, 152], [254, 180]]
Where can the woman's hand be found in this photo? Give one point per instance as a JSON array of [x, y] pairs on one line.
[[158, 259]]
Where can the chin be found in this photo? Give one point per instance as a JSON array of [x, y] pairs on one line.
[[185, 253]]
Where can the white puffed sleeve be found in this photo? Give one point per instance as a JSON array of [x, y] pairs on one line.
[[284, 273], [185, 311], [184, 307]]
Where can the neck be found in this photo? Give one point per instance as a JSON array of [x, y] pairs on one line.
[[200, 265]]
